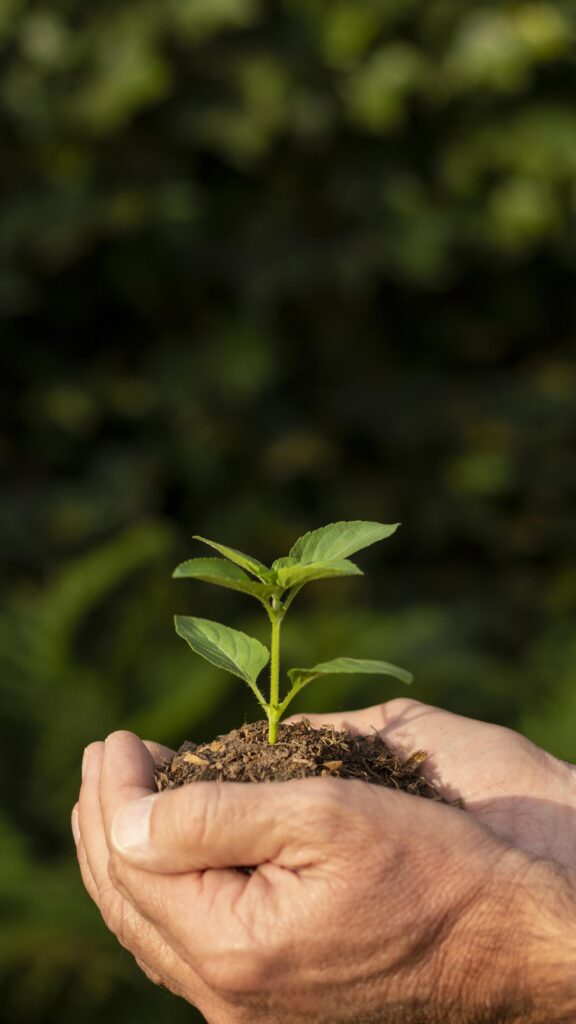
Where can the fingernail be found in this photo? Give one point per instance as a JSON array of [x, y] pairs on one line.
[[75, 826], [84, 763], [131, 826]]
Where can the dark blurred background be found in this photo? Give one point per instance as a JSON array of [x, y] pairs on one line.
[[266, 265]]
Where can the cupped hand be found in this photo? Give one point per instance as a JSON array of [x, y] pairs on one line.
[[518, 791], [362, 904]]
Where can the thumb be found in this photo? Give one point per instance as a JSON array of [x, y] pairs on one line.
[[217, 825]]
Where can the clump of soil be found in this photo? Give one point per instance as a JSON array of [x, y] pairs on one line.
[[244, 755]]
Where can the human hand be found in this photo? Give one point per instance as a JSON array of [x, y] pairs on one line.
[[366, 905], [518, 791]]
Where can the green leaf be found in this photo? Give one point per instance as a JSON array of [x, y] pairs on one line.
[[284, 562], [223, 574], [301, 676], [298, 574], [239, 558], [338, 540], [224, 647]]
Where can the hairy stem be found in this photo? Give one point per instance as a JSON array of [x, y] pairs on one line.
[[276, 615]]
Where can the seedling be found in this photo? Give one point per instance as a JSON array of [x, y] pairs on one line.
[[320, 554]]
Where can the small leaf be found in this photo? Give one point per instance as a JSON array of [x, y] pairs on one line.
[[223, 574], [224, 647], [298, 574], [338, 540], [302, 676], [272, 574], [283, 563], [239, 558]]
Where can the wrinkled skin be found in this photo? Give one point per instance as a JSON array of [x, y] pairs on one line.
[[366, 904]]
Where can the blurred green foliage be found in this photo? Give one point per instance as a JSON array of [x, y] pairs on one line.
[[267, 265]]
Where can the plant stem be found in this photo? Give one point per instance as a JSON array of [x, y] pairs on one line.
[[276, 616]]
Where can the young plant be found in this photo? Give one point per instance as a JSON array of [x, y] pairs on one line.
[[320, 554]]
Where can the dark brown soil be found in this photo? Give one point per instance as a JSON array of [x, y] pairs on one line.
[[244, 755]]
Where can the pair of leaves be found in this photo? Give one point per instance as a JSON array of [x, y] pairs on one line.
[[245, 657], [230, 571], [322, 553], [319, 554], [238, 558]]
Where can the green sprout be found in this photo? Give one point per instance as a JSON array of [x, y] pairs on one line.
[[320, 554]]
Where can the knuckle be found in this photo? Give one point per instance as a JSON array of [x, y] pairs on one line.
[[400, 706], [119, 874], [191, 810], [237, 974], [114, 869], [331, 801], [120, 918], [341, 815], [150, 974], [166, 981], [136, 889], [320, 810], [111, 909], [123, 930]]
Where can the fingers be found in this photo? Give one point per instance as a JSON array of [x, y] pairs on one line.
[[206, 824], [127, 776], [466, 758], [404, 723], [158, 751], [87, 876], [407, 725], [164, 964], [474, 760], [187, 907], [74, 824], [94, 844], [389, 719], [211, 825]]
